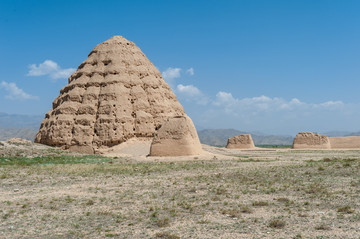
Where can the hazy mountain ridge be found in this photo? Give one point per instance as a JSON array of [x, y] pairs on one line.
[[219, 137], [354, 134], [19, 121], [19, 126], [341, 133], [24, 133]]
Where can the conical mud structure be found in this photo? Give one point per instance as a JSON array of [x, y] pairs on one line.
[[115, 94]]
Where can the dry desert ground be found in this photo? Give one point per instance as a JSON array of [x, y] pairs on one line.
[[223, 193]]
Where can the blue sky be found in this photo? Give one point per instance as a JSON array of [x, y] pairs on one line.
[[273, 66]]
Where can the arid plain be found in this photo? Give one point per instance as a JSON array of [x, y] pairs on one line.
[[223, 193]]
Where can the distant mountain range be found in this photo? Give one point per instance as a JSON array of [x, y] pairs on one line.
[[341, 133], [20, 121], [24, 133], [19, 126], [219, 137], [354, 134]]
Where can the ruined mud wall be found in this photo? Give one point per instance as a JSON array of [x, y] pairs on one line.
[[176, 137], [350, 142], [242, 141], [309, 140]]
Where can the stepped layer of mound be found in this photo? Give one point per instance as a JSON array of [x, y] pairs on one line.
[[115, 94], [242, 141]]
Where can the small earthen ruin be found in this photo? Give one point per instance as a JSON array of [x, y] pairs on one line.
[[116, 94], [176, 137], [242, 141], [18, 141], [308, 140], [349, 142]]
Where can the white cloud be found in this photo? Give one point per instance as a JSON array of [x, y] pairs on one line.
[[14, 92], [190, 71], [191, 93], [267, 104], [331, 104], [51, 69], [274, 115], [189, 90], [224, 98], [170, 74]]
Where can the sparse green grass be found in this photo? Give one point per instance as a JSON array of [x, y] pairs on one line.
[[316, 188], [233, 213], [89, 202], [345, 209], [260, 203], [162, 221], [246, 209], [110, 235], [283, 199], [277, 223], [166, 235], [322, 227], [19, 143], [43, 160]]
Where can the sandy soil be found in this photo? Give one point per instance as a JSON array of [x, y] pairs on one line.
[[139, 150]]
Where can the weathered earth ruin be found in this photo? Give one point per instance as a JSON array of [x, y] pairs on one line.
[[309, 140], [116, 94], [176, 137], [349, 142], [242, 141]]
